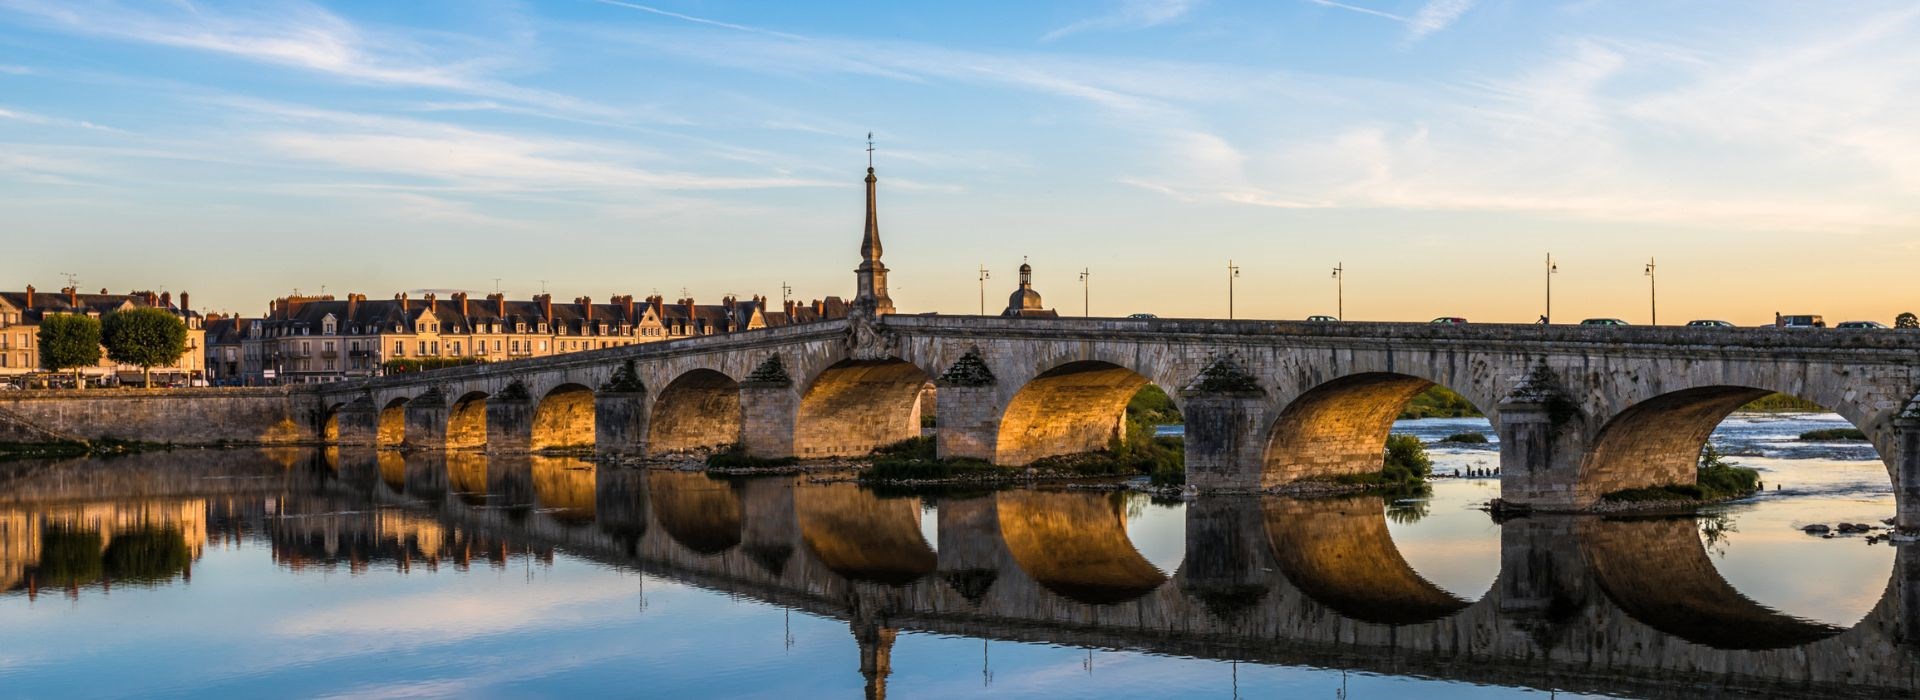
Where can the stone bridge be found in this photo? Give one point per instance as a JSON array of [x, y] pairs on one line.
[[1580, 603], [1580, 411]]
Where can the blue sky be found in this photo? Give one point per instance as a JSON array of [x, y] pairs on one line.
[[1765, 152]]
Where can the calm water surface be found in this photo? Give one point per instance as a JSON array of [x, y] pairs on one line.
[[361, 574]]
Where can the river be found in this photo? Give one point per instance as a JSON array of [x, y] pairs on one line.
[[361, 574]]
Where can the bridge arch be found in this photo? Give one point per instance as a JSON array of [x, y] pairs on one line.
[[563, 419], [700, 408], [330, 422], [467, 421], [1073, 407], [853, 406], [1657, 441], [701, 513], [391, 428], [1339, 427]]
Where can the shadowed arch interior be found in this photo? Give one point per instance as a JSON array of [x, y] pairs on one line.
[[467, 422], [1339, 553], [330, 426], [1074, 408], [701, 513], [861, 536], [855, 406], [564, 419], [1658, 572], [1338, 428], [699, 409], [392, 430], [1075, 544], [1657, 442]]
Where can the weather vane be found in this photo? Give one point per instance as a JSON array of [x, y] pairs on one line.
[[869, 150]]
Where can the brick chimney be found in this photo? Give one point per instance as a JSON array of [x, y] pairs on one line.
[[29, 296], [819, 308], [183, 302], [461, 299], [632, 317], [353, 307], [166, 299], [789, 305], [658, 303], [73, 296], [402, 297], [546, 305], [688, 302], [586, 308], [499, 304]]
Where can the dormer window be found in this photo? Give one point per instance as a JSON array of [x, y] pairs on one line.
[[519, 328], [329, 327], [543, 327]]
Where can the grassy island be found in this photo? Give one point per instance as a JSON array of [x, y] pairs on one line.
[[1718, 480]]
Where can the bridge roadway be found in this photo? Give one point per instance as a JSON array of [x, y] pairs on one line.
[[1580, 411], [1580, 603]]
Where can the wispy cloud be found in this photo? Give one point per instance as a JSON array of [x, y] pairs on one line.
[[15, 70], [292, 35], [699, 20], [1131, 14], [1436, 16], [32, 118], [1359, 9]]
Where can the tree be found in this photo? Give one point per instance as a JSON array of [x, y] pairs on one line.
[[1906, 320], [69, 341], [145, 338]]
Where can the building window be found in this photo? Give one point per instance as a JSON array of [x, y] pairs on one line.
[[496, 346], [399, 348], [543, 346]]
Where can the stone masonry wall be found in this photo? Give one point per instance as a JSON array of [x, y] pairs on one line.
[[181, 416]]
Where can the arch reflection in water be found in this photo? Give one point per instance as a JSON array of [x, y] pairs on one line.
[[1339, 553], [701, 513], [861, 536], [1075, 545]]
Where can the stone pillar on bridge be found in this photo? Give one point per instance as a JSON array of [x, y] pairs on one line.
[[510, 419], [426, 417], [967, 422], [1223, 411], [1906, 468], [1533, 474], [358, 422], [620, 417], [769, 408]]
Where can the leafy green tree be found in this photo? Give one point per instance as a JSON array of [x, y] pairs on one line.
[[1906, 320], [145, 338], [69, 341]]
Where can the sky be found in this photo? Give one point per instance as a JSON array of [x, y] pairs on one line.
[[1766, 155]]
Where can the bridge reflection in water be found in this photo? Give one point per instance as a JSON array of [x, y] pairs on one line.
[[1586, 604]]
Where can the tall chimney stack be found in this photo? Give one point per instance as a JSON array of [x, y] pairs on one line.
[[546, 306], [29, 296], [461, 299], [183, 302], [166, 299]]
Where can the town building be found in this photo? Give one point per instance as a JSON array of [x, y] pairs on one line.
[[21, 312], [320, 339]]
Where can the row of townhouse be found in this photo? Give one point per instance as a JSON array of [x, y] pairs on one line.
[[21, 313], [317, 339]]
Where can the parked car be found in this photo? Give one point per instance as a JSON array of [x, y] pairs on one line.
[[1603, 322], [1142, 316], [1449, 320], [1708, 323], [1322, 319], [9, 387], [1861, 324], [1801, 321]]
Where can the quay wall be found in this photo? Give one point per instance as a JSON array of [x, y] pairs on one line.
[[201, 416]]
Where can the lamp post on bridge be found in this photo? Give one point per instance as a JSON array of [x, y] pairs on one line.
[[1552, 269], [1653, 296], [1086, 292], [984, 276], [1340, 291], [1233, 273]]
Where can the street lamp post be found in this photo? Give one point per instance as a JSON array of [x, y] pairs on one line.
[[1340, 291], [1233, 273], [1552, 268], [1086, 292], [1653, 295], [983, 289]]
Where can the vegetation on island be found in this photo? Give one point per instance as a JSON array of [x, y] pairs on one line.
[[421, 364], [1439, 402], [1405, 469], [1834, 435], [1716, 480], [69, 342], [1782, 403], [1467, 438], [145, 338], [735, 456]]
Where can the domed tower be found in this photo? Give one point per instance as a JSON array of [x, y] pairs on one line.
[[1026, 303]]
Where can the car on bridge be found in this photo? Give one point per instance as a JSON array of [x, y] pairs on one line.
[[1801, 321], [1604, 322], [1861, 325], [1142, 316], [1709, 323], [1449, 320], [1322, 319]]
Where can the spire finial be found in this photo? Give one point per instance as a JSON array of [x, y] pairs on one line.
[[869, 150]]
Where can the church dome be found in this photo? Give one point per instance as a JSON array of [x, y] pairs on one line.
[[1023, 299]]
